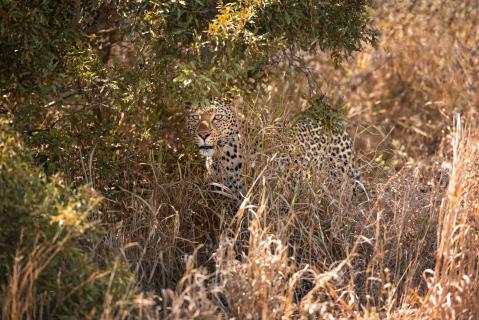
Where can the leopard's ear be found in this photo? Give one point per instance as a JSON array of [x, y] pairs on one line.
[[227, 101], [187, 105]]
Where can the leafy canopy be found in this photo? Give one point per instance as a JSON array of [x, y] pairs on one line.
[[67, 93]]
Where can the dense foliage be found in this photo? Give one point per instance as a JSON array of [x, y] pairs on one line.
[[64, 88], [42, 223]]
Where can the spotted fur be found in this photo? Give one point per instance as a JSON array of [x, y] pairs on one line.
[[312, 148], [214, 129]]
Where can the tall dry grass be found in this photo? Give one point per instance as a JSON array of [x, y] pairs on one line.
[[410, 252]]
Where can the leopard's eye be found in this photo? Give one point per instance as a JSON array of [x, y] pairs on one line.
[[194, 117], [218, 117]]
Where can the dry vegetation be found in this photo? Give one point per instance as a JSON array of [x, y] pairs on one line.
[[410, 252]]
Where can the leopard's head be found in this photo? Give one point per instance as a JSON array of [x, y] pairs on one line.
[[211, 125]]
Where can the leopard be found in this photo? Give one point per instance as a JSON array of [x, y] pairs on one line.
[[213, 127], [306, 145]]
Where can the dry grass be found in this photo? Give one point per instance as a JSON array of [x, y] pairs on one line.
[[411, 252]]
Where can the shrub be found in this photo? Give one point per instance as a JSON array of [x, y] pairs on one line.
[[46, 270]]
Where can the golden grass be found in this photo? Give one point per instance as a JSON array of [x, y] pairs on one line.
[[410, 252]]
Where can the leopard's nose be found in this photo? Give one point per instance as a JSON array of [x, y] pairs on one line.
[[204, 135]]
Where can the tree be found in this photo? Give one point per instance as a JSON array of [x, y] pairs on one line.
[[56, 84]]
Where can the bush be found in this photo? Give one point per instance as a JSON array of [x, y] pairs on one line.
[[46, 229]]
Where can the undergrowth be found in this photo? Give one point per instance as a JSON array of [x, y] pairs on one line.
[[160, 245]]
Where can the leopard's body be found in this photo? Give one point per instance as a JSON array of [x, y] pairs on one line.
[[308, 146]]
